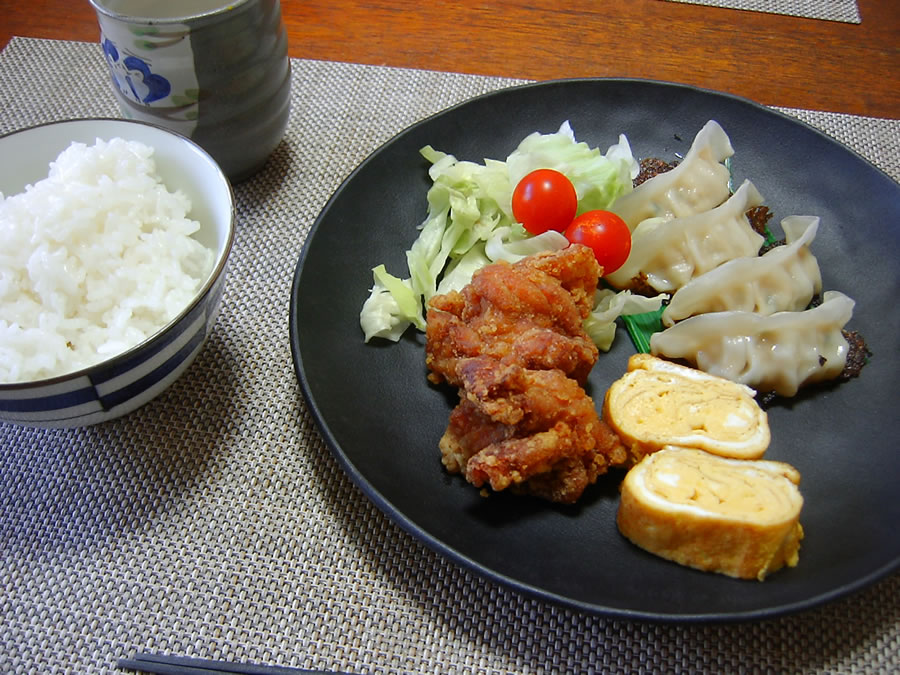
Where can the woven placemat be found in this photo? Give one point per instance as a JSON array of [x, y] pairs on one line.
[[214, 522], [832, 10]]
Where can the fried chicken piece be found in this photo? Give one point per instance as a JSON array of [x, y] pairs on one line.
[[529, 313], [535, 432], [512, 340]]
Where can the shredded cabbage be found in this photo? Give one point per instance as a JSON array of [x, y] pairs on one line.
[[470, 223], [390, 308], [506, 245], [608, 306]]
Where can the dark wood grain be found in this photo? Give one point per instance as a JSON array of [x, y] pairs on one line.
[[773, 59]]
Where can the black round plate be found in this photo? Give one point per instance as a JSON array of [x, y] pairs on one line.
[[383, 420]]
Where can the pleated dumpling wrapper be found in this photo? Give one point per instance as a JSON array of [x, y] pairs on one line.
[[658, 403], [736, 517]]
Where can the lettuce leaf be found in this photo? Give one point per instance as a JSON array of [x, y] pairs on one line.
[[609, 305]]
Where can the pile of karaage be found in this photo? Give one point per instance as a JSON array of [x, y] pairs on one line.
[[513, 342]]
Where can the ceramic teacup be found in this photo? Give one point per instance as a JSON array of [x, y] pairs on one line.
[[215, 71]]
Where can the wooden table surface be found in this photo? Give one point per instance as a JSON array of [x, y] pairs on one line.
[[770, 58]]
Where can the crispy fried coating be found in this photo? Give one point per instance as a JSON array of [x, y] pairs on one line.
[[534, 431], [513, 342], [529, 313]]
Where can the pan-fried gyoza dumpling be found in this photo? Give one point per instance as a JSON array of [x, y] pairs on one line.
[[786, 278], [667, 254], [697, 184], [777, 353]]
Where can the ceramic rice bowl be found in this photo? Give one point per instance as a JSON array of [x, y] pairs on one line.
[[130, 379]]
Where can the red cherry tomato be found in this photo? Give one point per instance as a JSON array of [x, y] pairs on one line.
[[544, 200], [606, 234]]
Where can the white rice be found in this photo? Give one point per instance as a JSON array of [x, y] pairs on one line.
[[94, 259]]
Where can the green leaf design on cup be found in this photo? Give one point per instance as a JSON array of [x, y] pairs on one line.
[[187, 98]]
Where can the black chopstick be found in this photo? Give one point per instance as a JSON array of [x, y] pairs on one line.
[[163, 664]]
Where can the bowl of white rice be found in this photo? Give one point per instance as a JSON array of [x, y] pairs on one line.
[[114, 243]]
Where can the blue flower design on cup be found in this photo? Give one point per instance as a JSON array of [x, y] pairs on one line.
[[133, 76]]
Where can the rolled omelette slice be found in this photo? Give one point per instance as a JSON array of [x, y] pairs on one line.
[[658, 403], [731, 516]]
